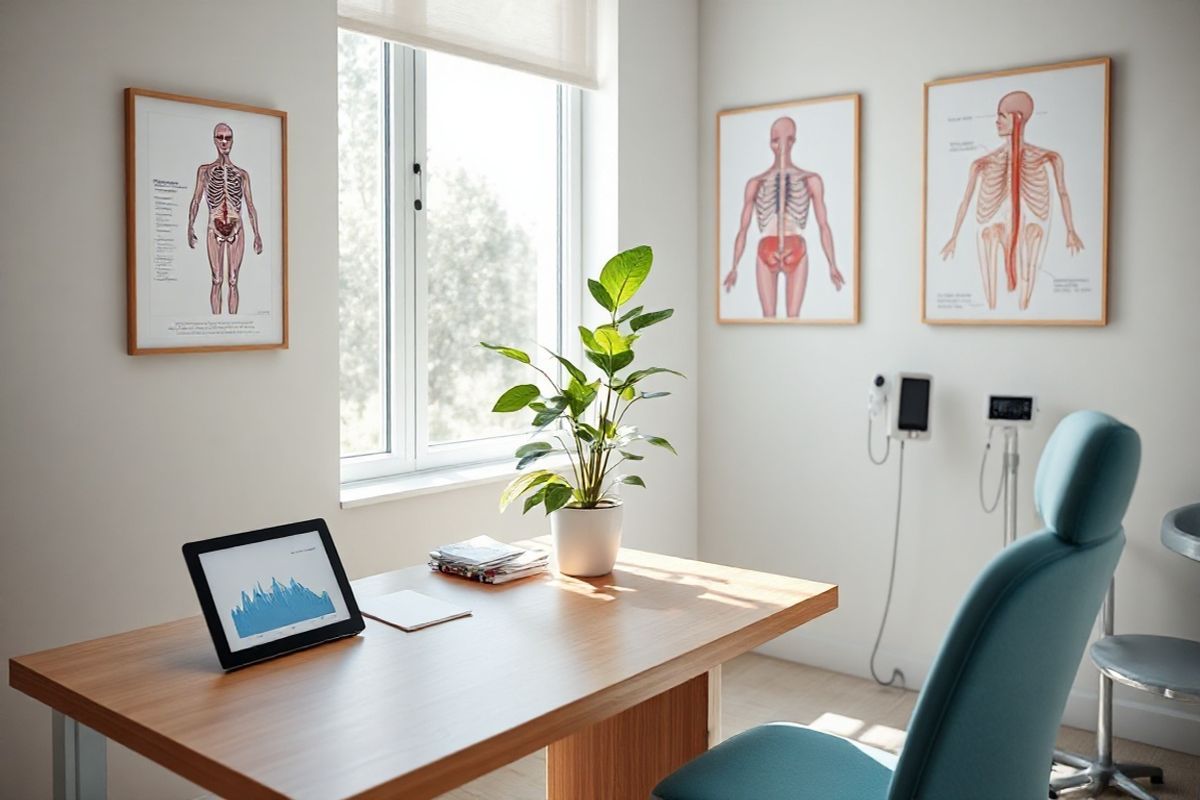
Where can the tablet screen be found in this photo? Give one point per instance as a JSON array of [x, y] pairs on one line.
[[269, 590]]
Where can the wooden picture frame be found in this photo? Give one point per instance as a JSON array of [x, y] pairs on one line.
[[1055, 267], [224, 287], [825, 140]]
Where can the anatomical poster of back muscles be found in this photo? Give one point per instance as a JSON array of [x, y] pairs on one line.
[[1016, 197], [207, 224], [787, 212]]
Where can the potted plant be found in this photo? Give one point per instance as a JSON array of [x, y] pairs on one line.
[[585, 421]]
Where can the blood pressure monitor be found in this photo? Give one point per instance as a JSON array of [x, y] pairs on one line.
[[1010, 410]]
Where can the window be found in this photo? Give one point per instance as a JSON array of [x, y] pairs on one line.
[[456, 223]]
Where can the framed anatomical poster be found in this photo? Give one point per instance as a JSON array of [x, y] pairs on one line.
[[1016, 197], [206, 219], [787, 212]]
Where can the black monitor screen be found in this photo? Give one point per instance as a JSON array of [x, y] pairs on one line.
[[914, 405], [1015, 409]]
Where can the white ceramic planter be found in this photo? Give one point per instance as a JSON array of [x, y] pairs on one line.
[[586, 540]]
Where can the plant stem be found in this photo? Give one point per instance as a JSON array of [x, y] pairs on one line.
[[567, 450]]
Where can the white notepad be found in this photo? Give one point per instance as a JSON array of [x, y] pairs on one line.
[[410, 611]]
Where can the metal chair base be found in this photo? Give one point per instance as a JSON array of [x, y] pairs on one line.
[[1094, 777]]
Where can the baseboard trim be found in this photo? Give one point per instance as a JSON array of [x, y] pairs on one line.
[[1174, 728]]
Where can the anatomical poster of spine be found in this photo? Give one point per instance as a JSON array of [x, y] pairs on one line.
[[1016, 197], [206, 213], [787, 212]]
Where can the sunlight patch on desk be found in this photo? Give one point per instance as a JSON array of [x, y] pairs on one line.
[[727, 600]]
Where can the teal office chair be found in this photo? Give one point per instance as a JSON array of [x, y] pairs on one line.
[[985, 723]]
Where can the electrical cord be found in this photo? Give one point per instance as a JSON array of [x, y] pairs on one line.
[[887, 447], [897, 675], [982, 465], [1001, 487]]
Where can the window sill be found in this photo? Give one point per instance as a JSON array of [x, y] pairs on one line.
[[414, 484]]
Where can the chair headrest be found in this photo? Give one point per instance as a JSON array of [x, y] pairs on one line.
[[1086, 476]]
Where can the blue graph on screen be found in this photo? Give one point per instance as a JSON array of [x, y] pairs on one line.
[[279, 606]]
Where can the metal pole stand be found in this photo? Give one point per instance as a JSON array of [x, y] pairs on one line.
[[1101, 773], [1012, 459]]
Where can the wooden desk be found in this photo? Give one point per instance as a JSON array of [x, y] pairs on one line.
[[611, 673]]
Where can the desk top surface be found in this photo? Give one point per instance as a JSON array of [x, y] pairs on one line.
[[389, 713]]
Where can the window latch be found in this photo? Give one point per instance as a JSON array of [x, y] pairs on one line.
[[417, 204]]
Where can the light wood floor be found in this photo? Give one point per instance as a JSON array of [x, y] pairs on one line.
[[757, 689]]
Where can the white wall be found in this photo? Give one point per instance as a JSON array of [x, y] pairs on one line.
[[785, 484], [109, 463]]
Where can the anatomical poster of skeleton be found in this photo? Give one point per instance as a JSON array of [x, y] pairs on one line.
[[787, 212], [1016, 197], [207, 224]]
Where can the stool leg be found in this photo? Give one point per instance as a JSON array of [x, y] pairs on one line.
[[1155, 774], [1130, 788]]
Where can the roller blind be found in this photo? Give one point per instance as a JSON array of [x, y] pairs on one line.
[[552, 38]]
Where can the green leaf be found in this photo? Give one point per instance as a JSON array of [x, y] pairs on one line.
[[534, 499], [533, 447], [630, 314], [557, 496], [622, 360], [532, 457], [632, 480], [523, 483], [586, 432], [511, 352], [625, 272], [646, 320], [580, 396], [600, 360], [572, 370], [610, 341], [589, 340], [517, 398], [601, 294], [628, 392], [631, 456], [659, 441], [611, 364], [637, 375], [544, 418]]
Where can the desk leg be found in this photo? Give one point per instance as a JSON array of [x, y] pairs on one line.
[[80, 761], [625, 756], [714, 706]]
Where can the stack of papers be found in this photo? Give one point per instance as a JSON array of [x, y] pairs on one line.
[[487, 560]]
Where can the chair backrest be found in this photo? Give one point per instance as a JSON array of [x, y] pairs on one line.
[[985, 723]]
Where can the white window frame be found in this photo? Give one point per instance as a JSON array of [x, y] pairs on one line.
[[406, 450]]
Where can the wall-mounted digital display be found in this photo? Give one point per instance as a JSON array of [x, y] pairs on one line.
[[914, 405], [1010, 408]]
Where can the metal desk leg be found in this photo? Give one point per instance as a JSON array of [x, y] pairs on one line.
[[1100, 773], [80, 761]]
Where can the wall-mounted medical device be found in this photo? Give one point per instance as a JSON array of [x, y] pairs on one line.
[[1008, 413], [904, 400], [1010, 410], [909, 418]]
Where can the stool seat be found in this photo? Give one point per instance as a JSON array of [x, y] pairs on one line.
[[1163, 665], [1181, 531]]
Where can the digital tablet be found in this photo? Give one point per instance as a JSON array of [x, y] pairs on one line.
[[272, 591]]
